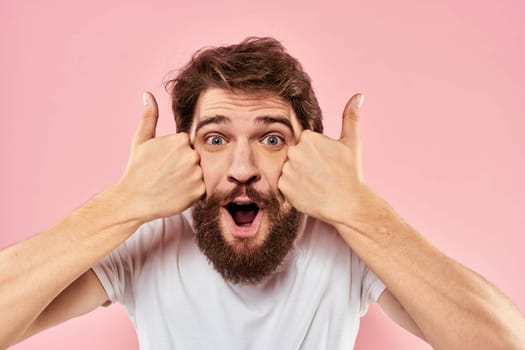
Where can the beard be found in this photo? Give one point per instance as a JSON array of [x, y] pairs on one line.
[[245, 260]]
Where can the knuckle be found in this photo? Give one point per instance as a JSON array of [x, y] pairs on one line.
[[292, 151], [351, 114], [198, 173], [306, 134], [284, 188], [179, 140], [195, 157], [200, 189], [148, 114], [183, 138], [302, 136], [134, 143]]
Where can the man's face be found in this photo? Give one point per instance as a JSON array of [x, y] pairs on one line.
[[244, 225]]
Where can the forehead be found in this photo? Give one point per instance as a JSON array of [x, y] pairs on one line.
[[242, 106]]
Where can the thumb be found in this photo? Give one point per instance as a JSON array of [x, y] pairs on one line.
[[148, 122], [349, 130]]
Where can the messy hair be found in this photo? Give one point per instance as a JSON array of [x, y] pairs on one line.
[[256, 65]]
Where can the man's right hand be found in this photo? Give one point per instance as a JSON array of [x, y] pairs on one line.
[[163, 176], [46, 279]]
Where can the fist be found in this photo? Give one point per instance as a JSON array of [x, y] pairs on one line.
[[322, 177], [163, 176]]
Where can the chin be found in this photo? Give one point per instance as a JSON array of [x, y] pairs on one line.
[[245, 234]]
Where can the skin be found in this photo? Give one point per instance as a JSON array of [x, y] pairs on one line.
[[429, 294], [163, 177], [251, 149]]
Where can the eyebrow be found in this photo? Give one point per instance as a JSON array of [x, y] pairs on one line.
[[221, 119], [216, 119], [276, 119]]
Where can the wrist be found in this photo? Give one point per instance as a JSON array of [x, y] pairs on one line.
[[361, 205], [99, 225], [122, 204], [113, 207], [373, 222]]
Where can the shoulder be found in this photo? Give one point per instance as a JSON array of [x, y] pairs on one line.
[[322, 239], [321, 242], [158, 234], [316, 233]]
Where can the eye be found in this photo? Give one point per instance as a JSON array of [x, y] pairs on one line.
[[272, 140], [215, 140]]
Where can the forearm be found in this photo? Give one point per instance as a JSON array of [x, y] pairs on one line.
[[35, 271], [453, 306]]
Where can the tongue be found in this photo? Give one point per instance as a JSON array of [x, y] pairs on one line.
[[244, 216]]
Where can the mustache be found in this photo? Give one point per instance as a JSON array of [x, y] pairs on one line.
[[267, 199], [208, 208], [245, 260]]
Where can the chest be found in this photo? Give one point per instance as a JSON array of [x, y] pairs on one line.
[[313, 299]]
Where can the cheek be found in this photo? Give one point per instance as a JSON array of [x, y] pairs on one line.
[[271, 167], [212, 172]]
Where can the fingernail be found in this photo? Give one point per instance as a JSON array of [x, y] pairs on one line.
[[145, 98], [359, 100]]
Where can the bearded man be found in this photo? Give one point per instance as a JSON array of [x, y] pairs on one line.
[[247, 229]]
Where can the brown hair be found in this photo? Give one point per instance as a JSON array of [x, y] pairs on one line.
[[256, 65]]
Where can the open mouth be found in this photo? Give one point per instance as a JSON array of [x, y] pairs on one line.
[[243, 214], [243, 219]]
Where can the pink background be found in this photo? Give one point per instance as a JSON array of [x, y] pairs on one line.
[[442, 125]]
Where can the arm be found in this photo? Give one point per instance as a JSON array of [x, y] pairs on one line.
[[36, 271], [398, 314], [84, 295], [453, 307], [163, 177]]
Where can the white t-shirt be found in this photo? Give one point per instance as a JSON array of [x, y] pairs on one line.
[[176, 299]]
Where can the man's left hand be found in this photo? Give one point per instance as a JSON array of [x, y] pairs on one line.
[[322, 177]]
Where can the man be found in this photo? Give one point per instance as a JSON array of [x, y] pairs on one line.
[[254, 230]]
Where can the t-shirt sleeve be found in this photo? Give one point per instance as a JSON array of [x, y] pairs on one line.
[[118, 270], [114, 272], [371, 289]]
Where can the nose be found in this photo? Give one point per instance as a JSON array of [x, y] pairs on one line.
[[243, 169]]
